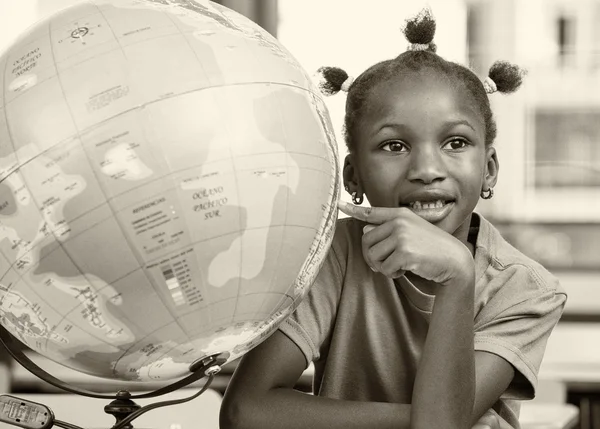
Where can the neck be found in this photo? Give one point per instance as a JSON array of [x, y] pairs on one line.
[[462, 233]]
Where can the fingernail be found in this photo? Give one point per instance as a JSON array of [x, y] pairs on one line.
[[368, 228]]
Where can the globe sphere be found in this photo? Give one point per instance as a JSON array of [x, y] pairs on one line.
[[168, 186]]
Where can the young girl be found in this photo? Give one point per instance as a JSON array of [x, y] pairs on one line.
[[421, 316]]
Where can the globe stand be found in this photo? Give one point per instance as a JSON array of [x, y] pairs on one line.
[[122, 407]]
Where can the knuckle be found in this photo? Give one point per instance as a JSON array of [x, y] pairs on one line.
[[386, 270], [369, 254], [390, 266], [398, 234], [398, 221], [412, 266], [398, 225]]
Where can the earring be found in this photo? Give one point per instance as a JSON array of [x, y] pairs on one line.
[[487, 194], [357, 199]]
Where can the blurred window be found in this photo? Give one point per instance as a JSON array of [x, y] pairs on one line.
[[565, 31], [567, 148], [557, 246], [474, 36]]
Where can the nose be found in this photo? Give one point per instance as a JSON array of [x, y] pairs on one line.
[[426, 165]]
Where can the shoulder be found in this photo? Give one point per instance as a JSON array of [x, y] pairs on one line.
[[347, 237], [346, 247], [497, 258]]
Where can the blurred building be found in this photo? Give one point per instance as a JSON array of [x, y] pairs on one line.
[[548, 196]]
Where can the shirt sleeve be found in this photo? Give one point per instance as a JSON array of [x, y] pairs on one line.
[[310, 325], [516, 322]]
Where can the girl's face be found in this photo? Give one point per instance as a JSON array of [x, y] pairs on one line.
[[420, 143]]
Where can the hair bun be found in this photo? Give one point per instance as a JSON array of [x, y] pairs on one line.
[[332, 80], [420, 30], [507, 77]]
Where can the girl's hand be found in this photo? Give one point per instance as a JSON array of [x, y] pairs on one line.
[[397, 240]]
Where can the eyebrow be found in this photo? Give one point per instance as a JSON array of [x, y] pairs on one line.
[[447, 125], [450, 124]]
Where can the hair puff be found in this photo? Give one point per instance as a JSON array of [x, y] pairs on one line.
[[331, 79], [507, 77], [421, 29]]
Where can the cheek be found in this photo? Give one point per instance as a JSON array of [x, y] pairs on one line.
[[378, 181], [378, 173], [472, 176]]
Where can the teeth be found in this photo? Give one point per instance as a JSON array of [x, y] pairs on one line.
[[418, 205]]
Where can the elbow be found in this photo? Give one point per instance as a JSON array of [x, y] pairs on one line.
[[231, 414], [242, 411]]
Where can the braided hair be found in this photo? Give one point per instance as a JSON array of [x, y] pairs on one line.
[[421, 55]]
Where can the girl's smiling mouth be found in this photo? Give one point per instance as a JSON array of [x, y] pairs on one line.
[[432, 205], [418, 205], [431, 211]]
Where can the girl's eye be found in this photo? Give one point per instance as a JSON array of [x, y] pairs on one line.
[[456, 144], [394, 146]]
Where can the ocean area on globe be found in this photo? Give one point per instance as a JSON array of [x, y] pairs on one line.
[[168, 185]]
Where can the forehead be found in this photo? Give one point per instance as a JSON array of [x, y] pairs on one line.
[[421, 98]]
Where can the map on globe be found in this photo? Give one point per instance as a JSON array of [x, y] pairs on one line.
[[168, 186]]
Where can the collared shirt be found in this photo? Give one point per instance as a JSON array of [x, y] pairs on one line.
[[365, 333]]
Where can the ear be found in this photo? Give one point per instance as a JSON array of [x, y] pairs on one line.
[[490, 173], [350, 175]]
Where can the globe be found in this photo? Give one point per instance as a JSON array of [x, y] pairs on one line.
[[168, 186]]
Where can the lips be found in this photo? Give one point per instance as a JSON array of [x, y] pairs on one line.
[[431, 205]]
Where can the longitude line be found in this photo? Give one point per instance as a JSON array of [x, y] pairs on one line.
[[27, 186], [7, 131], [93, 172], [195, 259], [114, 213], [287, 198], [241, 261], [210, 87], [58, 77]]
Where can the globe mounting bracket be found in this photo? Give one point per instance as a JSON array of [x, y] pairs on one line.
[[205, 367]]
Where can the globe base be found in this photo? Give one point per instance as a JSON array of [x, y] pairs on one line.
[[122, 407]]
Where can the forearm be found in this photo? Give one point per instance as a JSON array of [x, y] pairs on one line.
[[284, 407], [444, 390]]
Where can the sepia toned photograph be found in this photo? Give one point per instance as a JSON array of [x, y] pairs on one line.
[[254, 214]]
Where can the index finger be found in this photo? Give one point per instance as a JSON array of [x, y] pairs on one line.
[[373, 215]]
